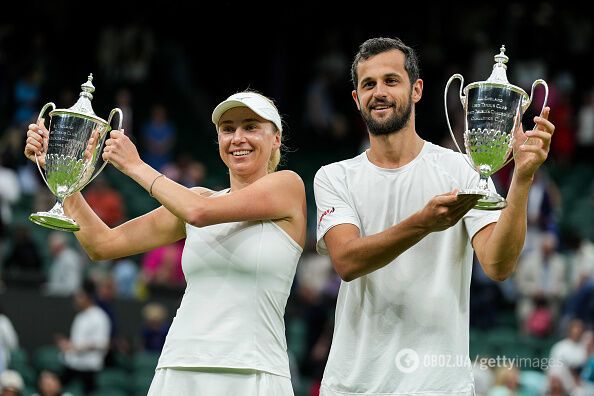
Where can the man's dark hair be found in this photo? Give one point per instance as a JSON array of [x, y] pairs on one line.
[[88, 287], [375, 46]]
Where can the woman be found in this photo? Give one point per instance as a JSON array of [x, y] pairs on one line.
[[242, 247]]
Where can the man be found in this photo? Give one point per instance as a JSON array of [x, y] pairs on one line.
[[389, 219], [66, 272], [84, 352]]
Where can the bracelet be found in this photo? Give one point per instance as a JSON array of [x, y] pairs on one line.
[[153, 183]]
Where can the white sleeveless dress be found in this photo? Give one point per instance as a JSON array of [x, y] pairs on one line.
[[228, 336]]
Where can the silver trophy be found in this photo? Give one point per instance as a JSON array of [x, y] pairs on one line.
[[76, 137], [493, 109]]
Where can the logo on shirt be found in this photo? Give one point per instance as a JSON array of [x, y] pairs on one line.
[[328, 211]]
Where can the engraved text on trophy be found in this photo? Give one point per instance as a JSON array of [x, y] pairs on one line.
[[490, 121], [68, 166]]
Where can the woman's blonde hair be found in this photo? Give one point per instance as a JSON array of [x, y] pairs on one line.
[[275, 156]]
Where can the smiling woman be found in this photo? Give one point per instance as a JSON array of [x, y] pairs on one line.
[[251, 103], [240, 255]]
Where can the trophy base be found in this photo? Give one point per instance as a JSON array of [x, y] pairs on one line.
[[489, 201], [54, 221]]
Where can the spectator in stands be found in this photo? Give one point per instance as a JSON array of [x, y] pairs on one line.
[[158, 138], [585, 132], [317, 290], [137, 47], [563, 381], [66, 269], [581, 257], [191, 172], [49, 384], [507, 381], [541, 279], [580, 302], [568, 358], [488, 297], [563, 146], [106, 201], [23, 263], [587, 373], [10, 149], [105, 299], [11, 383], [241, 252], [9, 340], [125, 274], [544, 204], [10, 192], [26, 96], [322, 113], [571, 351], [155, 327], [85, 350], [162, 266], [484, 377], [555, 386]]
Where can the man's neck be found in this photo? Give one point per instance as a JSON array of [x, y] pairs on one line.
[[394, 150]]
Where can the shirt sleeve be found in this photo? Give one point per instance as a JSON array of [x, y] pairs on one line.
[[333, 207], [477, 219]]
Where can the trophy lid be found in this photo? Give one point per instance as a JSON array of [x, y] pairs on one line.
[[83, 107], [499, 75]]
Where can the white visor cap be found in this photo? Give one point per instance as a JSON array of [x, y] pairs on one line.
[[256, 102]]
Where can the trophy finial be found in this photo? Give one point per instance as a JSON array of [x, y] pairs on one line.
[[88, 87], [83, 105], [499, 74], [501, 58]]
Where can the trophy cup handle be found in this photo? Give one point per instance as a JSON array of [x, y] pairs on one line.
[[463, 101], [119, 113], [546, 98], [527, 104], [39, 118]]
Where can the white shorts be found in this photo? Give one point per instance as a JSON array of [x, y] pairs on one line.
[[218, 382]]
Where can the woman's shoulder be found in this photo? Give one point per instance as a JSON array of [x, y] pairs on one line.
[[287, 186], [288, 175], [284, 178]]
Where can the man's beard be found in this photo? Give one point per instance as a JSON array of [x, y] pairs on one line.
[[393, 124]]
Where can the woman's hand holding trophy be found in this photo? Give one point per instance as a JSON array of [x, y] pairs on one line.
[[68, 152]]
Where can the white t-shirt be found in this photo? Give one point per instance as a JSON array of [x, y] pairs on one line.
[[238, 276], [9, 340], [90, 327], [66, 273], [396, 325], [569, 353]]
